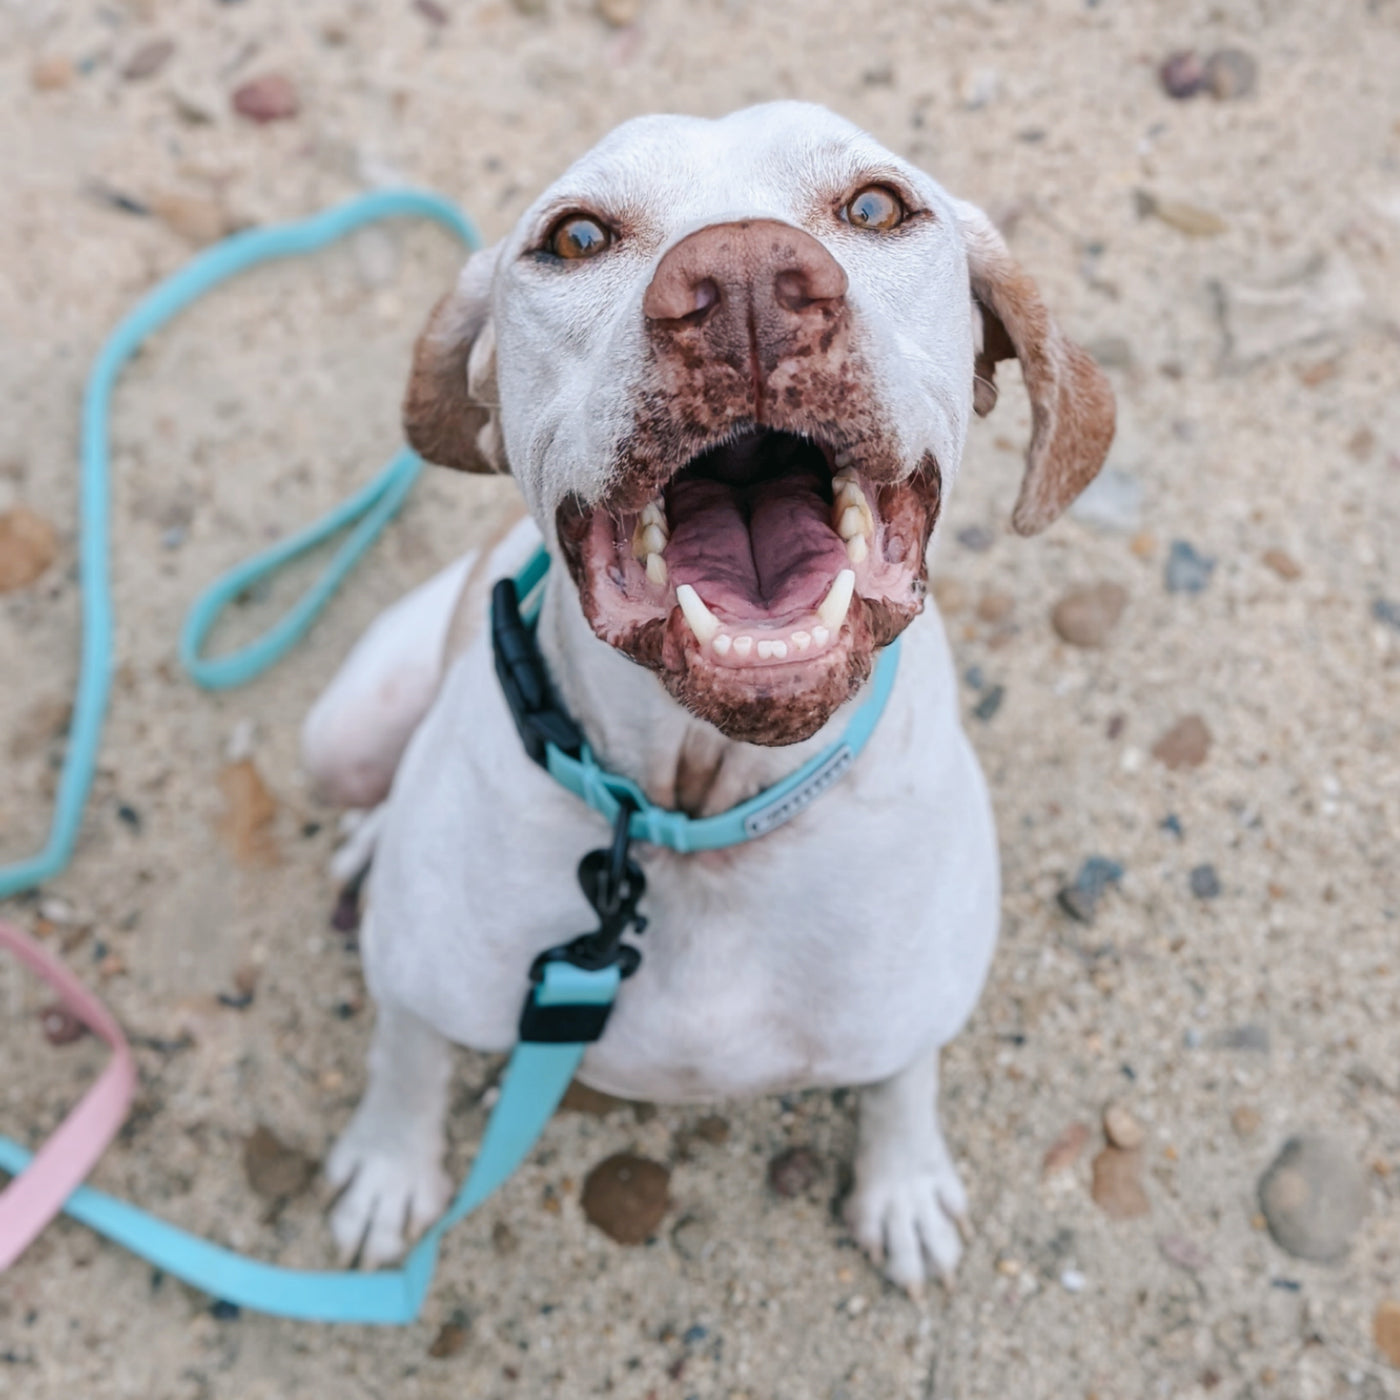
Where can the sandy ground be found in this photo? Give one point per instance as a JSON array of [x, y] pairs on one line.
[[1225, 1024]]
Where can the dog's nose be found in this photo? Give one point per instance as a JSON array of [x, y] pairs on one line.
[[759, 271]]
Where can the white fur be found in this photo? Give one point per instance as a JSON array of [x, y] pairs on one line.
[[844, 948]]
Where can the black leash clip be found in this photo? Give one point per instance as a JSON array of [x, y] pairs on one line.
[[613, 884]]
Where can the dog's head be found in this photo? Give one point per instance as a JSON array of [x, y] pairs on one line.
[[731, 364]]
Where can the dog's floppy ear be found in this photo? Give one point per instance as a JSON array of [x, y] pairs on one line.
[[451, 412], [1072, 408]]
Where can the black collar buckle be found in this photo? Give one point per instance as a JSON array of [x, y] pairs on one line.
[[539, 717]]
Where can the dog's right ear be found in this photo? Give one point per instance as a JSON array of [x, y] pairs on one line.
[[451, 412]]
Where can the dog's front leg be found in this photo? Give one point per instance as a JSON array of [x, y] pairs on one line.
[[389, 1160], [908, 1205]]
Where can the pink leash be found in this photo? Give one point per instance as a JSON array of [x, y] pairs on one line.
[[37, 1194]]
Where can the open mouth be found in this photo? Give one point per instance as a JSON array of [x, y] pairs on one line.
[[759, 580]]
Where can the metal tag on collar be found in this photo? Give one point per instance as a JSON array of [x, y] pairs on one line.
[[539, 717], [613, 883]]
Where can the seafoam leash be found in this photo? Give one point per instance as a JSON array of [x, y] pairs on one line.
[[572, 986]]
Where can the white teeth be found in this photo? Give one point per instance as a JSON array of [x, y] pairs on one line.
[[656, 570], [768, 650], [851, 523], [820, 635], [802, 640], [722, 643], [651, 535], [856, 550], [835, 605], [702, 621], [743, 646]]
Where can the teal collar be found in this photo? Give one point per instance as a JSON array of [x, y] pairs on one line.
[[554, 741]]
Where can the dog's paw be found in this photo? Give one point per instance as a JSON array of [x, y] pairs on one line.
[[910, 1221], [391, 1192]]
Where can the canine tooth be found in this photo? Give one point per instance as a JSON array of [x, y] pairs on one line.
[[654, 514], [820, 635], [743, 646], [722, 643], [837, 602], [769, 650], [656, 570], [802, 640], [856, 549], [702, 621], [851, 523]]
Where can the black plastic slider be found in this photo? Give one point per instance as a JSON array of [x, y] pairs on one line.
[[539, 718]]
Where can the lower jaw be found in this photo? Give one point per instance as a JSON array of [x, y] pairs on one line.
[[787, 695]]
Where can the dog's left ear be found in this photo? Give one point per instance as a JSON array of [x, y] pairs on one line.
[[451, 410], [1072, 409]]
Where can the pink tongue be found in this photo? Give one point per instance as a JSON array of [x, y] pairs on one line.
[[750, 552]]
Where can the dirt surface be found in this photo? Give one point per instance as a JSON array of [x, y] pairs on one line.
[[1225, 1010]]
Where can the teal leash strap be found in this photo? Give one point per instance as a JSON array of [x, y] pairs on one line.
[[535, 1081], [372, 508]]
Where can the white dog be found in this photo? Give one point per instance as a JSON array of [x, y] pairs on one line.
[[731, 365]]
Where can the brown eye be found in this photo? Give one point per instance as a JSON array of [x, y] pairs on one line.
[[578, 236], [874, 207]]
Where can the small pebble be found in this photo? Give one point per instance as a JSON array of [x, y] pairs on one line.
[[712, 1129], [275, 1171], [990, 702], [1072, 1281], [1112, 501], [1121, 1128], [693, 1238], [1187, 570], [225, 1312], [28, 545], [794, 1171], [503, 1239], [627, 1197], [1085, 617], [269, 98], [1230, 74], [977, 538], [148, 60], [1385, 1328], [1313, 1196], [1185, 745], [1250, 1036], [1245, 1121], [451, 1336], [1181, 215], [1117, 1184], [193, 217], [619, 13], [1182, 1253], [1080, 899], [1182, 74], [1284, 565], [1205, 883], [52, 74], [1386, 612], [1065, 1151], [60, 1025], [694, 1335], [431, 11], [57, 911]]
